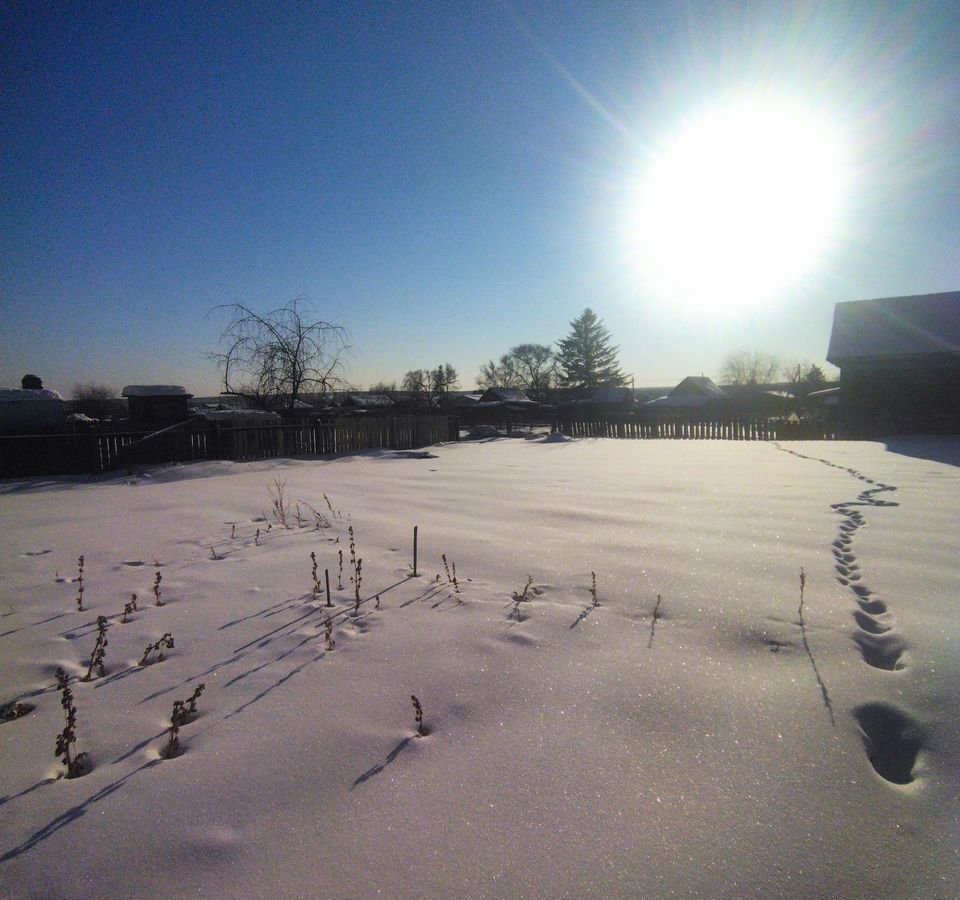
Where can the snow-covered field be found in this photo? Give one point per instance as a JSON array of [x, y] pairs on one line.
[[719, 748]]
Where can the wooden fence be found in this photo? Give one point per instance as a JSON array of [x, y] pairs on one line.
[[724, 430], [78, 454]]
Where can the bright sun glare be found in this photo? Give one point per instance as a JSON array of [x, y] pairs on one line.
[[738, 205]]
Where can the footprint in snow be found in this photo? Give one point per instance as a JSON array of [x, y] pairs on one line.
[[892, 740]]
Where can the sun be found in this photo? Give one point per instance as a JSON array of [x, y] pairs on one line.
[[738, 205]]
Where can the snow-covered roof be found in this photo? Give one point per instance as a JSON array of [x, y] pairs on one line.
[[251, 416], [18, 395], [368, 400], [680, 401], [504, 395], [693, 392], [828, 396], [698, 386], [462, 399], [895, 326], [154, 390]]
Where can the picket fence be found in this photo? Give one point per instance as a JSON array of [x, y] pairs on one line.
[[78, 454], [717, 430]]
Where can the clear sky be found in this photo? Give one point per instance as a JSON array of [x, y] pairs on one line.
[[444, 179]]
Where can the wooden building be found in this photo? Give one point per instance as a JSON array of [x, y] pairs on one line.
[[899, 360], [695, 392], [157, 404]]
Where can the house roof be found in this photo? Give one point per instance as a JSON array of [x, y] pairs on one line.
[[366, 400], [29, 395], [698, 386], [154, 390], [462, 399], [693, 392], [614, 396], [239, 415], [504, 395], [828, 396], [896, 326]]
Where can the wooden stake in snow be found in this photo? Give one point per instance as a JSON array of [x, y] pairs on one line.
[[415, 551], [326, 576]]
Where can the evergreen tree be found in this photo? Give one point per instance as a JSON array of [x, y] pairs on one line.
[[815, 378], [585, 358]]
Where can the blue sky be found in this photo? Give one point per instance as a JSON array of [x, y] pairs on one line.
[[443, 179]]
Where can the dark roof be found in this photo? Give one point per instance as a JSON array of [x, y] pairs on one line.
[[614, 396], [461, 399], [895, 326], [694, 392], [366, 400], [504, 395], [698, 386]]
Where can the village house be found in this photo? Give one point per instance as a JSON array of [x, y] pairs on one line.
[[157, 404], [695, 392], [899, 361]]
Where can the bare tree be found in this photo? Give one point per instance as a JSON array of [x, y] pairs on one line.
[[750, 368], [534, 367], [529, 367], [445, 378], [416, 381], [272, 358], [428, 385], [95, 400]]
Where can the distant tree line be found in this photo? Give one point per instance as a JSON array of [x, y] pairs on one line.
[[275, 358], [747, 368]]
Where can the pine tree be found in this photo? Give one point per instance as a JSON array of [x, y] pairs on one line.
[[814, 378], [585, 357]]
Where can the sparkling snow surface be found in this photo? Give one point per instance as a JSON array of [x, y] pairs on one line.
[[717, 750]]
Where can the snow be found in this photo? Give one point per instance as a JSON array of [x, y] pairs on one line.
[[154, 390], [580, 750]]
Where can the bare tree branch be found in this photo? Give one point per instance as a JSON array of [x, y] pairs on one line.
[[272, 358]]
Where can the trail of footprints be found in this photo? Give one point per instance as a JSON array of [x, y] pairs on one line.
[[892, 739]]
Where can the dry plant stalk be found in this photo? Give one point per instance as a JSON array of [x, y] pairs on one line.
[[278, 499], [80, 584], [182, 711], [418, 714], [156, 588], [451, 579], [128, 608], [328, 627], [653, 623], [99, 650], [356, 586], [521, 597], [74, 764], [157, 647]]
